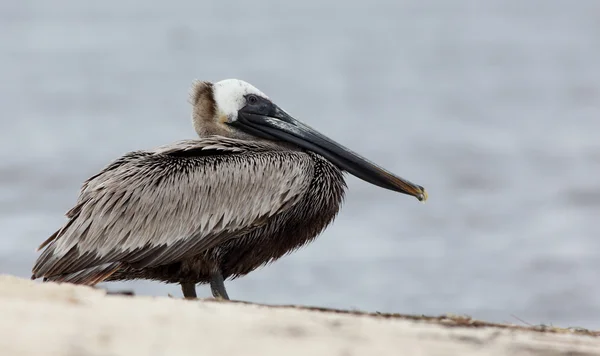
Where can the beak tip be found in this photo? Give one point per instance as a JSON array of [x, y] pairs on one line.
[[423, 196]]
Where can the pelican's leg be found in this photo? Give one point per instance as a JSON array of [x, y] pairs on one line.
[[189, 290], [217, 286]]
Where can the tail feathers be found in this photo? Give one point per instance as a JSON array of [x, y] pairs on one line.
[[88, 276]]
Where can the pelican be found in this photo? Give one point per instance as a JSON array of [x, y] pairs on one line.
[[256, 185]]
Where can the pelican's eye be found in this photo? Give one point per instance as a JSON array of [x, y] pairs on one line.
[[252, 99]]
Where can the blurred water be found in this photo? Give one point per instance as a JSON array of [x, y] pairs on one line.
[[493, 106]]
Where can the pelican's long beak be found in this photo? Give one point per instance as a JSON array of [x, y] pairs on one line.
[[269, 121]]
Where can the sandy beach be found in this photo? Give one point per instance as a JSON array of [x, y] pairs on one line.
[[51, 319]]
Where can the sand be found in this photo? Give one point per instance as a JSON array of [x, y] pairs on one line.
[[62, 319]]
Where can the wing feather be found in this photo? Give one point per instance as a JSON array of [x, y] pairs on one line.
[[155, 207]]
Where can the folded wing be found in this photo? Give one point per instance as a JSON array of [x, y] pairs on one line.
[[150, 208]]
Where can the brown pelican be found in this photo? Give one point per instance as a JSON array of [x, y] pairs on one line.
[[256, 185]]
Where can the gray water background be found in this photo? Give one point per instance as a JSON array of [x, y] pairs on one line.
[[494, 106]]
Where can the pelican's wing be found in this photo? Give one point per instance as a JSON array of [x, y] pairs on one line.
[[155, 207]]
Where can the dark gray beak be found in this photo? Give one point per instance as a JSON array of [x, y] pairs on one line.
[[265, 119]]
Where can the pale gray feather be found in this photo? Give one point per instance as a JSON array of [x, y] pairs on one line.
[[157, 206]]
